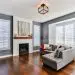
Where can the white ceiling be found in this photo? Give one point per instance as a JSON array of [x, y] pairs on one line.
[[27, 9]]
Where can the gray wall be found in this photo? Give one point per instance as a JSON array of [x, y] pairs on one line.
[[45, 29], [36, 23], [6, 17], [44, 33]]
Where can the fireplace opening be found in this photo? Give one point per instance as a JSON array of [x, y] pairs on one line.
[[23, 48]]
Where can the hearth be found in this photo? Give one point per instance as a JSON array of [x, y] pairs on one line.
[[23, 48]]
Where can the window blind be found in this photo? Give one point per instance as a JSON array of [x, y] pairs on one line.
[[69, 34], [59, 35], [65, 34], [4, 34]]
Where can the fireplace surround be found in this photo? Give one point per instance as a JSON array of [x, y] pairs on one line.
[[16, 43]]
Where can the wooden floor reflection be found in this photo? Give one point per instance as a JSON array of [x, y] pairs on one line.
[[31, 64]]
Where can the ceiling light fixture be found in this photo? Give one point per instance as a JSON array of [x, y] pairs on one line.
[[43, 8]]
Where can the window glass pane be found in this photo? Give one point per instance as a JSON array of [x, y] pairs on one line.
[[59, 35], [69, 34], [36, 35], [4, 34], [52, 34], [65, 34]]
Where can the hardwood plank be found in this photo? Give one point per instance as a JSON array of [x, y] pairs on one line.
[[31, 64]]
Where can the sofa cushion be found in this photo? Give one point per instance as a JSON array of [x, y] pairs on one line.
[[67, 47], [61, 49]]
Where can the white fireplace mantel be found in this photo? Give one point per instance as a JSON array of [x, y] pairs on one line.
[[19, 41]]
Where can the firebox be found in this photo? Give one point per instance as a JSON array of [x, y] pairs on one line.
[[23, 48]]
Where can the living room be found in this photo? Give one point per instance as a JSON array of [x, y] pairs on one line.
[[37, 37]]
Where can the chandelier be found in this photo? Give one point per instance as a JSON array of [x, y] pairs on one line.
[[43, 9]]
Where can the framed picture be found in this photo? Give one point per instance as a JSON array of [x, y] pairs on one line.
[[23, 28]]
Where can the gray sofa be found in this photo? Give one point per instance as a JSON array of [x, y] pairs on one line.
[[58, 63]]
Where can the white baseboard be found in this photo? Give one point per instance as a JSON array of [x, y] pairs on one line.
[[15, 55], [5, 56], [29, 53], [36, 50], [74, 59]]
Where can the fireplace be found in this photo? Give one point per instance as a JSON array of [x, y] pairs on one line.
[[23, 48]]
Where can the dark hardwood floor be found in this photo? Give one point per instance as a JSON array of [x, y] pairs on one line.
[[31, 65]]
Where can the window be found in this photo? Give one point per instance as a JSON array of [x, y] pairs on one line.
[[36, 35], [65, 34], [52, 34], [69, 34], [59, 35], [4, 34]]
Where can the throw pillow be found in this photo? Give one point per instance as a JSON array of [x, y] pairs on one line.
[[53, 47], [58, 54]]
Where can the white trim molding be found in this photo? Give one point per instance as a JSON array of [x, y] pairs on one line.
[[5, 56]]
